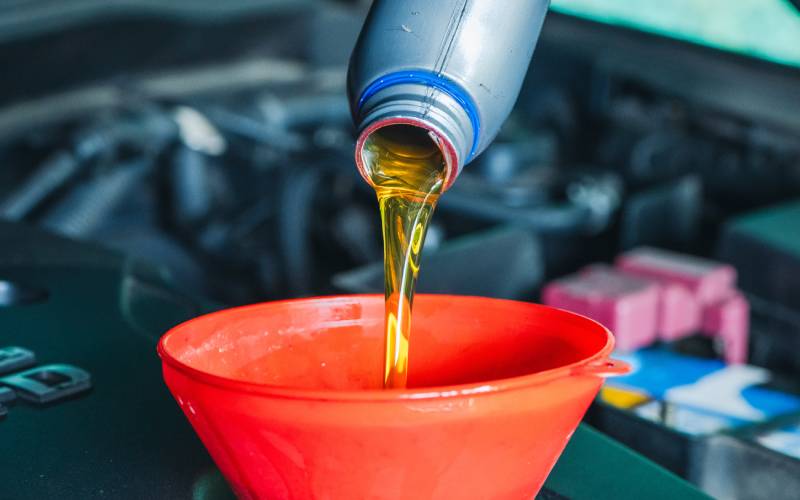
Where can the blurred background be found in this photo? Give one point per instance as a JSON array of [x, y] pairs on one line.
[[199, 153]]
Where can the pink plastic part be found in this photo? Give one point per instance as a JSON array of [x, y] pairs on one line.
[[678, 312], [709, 281], [729, 320], [626, 305]]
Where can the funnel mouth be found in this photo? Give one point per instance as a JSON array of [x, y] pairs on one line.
[[436, 136], [595, 363]]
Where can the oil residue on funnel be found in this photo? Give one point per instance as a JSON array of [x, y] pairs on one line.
[[407, 169]]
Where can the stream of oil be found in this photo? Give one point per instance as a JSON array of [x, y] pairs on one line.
[[407, 169]]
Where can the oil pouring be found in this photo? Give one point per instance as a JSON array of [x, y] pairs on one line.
[[430, 84]]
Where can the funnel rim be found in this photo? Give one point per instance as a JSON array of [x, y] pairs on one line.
[[388, 395]]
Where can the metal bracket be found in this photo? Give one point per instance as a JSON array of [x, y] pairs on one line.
[[7, 395], [14, 358], [49, 383]]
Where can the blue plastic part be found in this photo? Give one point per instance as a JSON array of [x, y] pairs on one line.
[[436, 81]]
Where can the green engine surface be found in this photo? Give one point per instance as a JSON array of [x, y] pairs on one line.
[[764, 29]]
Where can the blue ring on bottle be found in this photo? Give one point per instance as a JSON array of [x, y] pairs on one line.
[[436, 81]]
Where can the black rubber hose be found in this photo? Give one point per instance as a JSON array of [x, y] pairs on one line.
[[295, 221], [87, 207], [52, 174], [150, 132]]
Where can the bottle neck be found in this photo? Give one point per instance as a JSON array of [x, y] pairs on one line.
[[423, 107]]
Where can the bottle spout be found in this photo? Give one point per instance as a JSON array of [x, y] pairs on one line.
[[445, 120], [455, 69], [437, 137]]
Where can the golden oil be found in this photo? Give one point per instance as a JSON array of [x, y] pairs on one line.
[[407, 170]]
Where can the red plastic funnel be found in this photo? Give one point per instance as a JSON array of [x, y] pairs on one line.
[[287, 396]]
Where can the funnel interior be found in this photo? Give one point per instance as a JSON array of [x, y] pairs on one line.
[[336, 344]]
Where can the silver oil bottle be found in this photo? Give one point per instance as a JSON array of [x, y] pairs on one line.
[[453, 67]]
